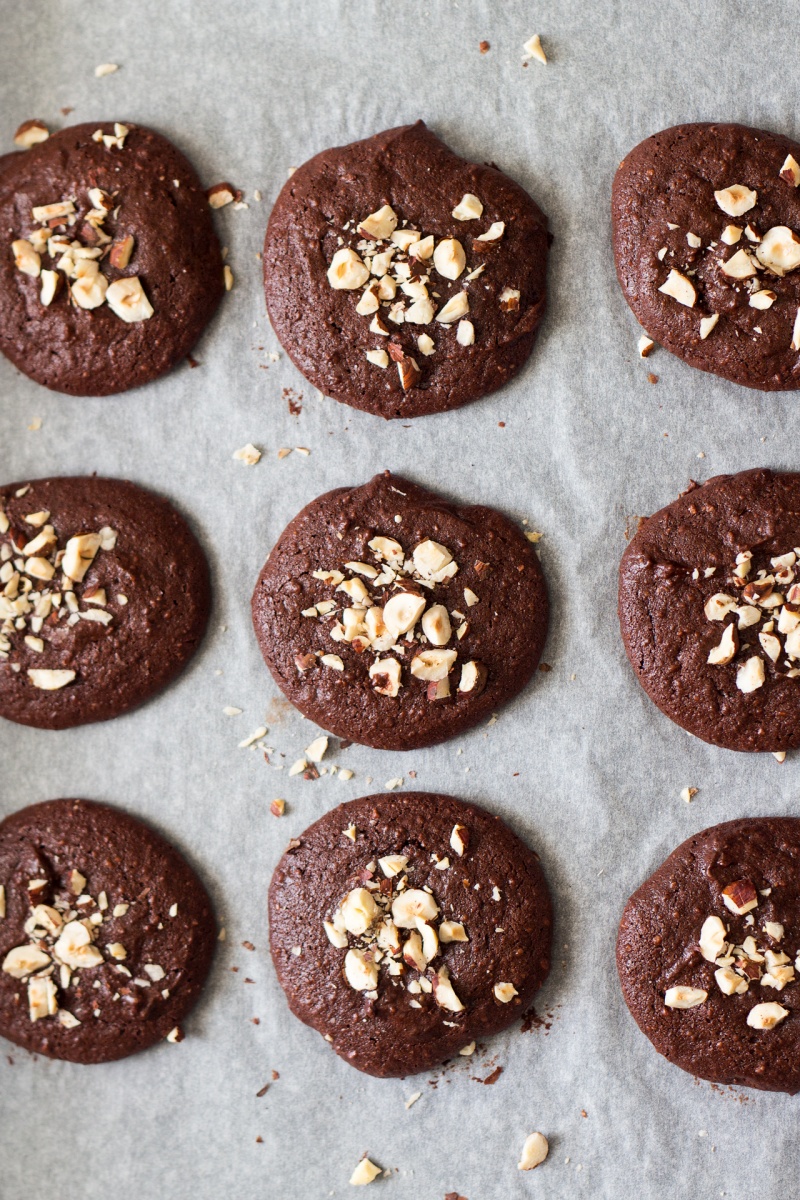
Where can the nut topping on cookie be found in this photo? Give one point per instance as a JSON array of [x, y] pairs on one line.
[[26, 259], [726, 650], [684, 997], [27, 611], [736, 200], [379, 225], [449, 258], [469, 208], [347, 271], [679, 288], [712, 938], [790, 171], [62, 937], [766, 1016], [444, 993], [763, 299], [455, 308], [459, 840], [392, 926], [739, 266], [731, 234], [779, 250], [740, 897]]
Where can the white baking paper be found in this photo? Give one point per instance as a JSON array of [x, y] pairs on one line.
[[582, 765]]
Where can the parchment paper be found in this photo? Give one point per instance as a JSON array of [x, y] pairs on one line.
[[582, 765]]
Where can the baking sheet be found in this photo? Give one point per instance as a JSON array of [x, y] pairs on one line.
[[581, 765]]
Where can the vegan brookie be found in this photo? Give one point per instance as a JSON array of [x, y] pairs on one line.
[[106, 933], [706, 224], [104, 598], [397, 619], [402, 279], [111, 268], [404, 927]]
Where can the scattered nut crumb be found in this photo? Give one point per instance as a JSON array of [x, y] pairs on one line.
[[364, 1173], [106, 69], [534, 1152], [533, 49], [688, 794], [248, 454]]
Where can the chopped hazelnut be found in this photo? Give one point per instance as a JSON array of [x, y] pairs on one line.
[[684, 997], [779, 250], [221, 194], [736, 200], [469, 208], [505, 992], [712, 938], [126, 297], [766, 1016], [31, 133], [707, 324], [534, 1152], [789, 172], [740, 897], [364, 1173], [449, 258], [533, 49], [750, 676], [347, 271], [379, 225]]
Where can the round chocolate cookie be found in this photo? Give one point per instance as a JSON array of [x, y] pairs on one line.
[[402, 279], [106, 936], [707, 245], [403, 927], [396, 619], [104, 598], [111, 268], [709, 607], [706, 954]]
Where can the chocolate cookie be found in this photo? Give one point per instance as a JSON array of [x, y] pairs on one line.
[[104, 598], [709, 607], [402, 928], [707, 954], [106, 934], [707, 245], [402, 279], [396, 619], [111, 268]]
